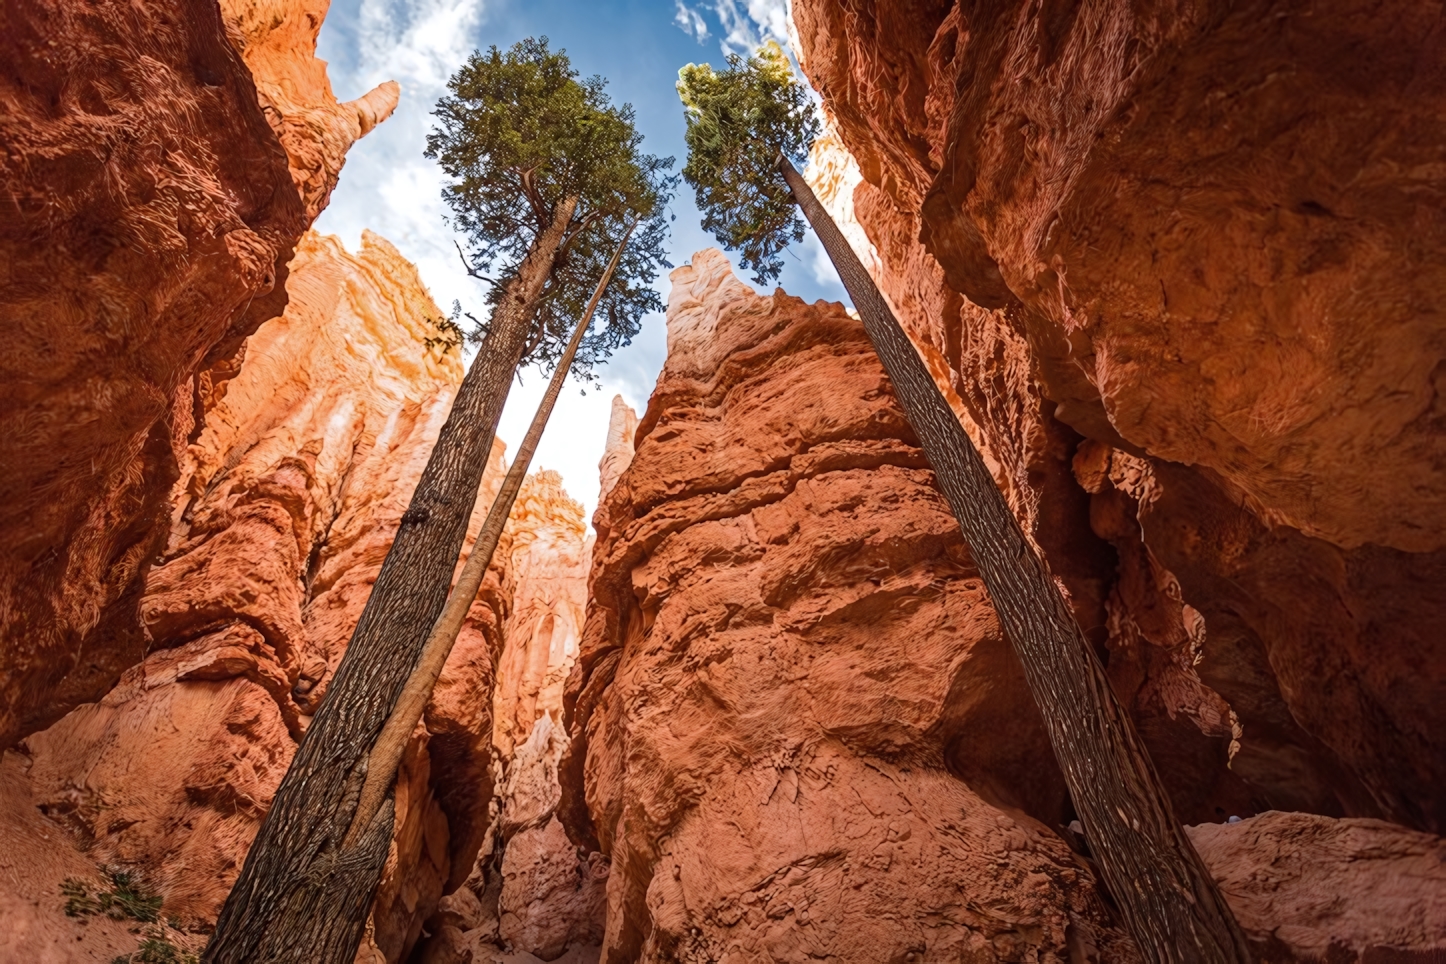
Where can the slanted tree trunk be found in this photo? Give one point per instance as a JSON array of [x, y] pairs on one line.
[[1170, 903], [386, 756], [301, 897]]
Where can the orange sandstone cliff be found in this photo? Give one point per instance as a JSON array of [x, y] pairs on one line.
[[788, 654], [797, 733], [288, 501], [1181, 266], [531, 892], [1176, 268], [161, 161]]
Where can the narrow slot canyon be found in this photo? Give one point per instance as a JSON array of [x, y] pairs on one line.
[[1177, 270]]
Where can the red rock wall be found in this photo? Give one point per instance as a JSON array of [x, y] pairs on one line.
[[531, 891], [551, 550], [797, 733], [288, 503], [1311, 888], [788, 655], [1186, 258], [156, 183]]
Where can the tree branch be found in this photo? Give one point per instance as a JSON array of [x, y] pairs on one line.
[[532, 344], [534, 200], [467, 265], [582, 226]]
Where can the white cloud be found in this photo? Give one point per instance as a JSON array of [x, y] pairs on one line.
[[417, 42], [747, 24], [691, 22]]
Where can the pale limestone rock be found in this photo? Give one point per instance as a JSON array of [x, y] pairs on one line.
[[551, 550], [622, 425], [1231, 278]]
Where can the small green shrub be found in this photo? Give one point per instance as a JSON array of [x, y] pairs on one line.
[[129, 900], [157, 949], [126, 899], [78, 902]]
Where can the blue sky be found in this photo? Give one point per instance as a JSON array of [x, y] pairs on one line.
[[387, 186]]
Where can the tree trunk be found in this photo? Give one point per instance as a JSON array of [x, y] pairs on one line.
[[386, 756], [1170, 903], [301, 897]]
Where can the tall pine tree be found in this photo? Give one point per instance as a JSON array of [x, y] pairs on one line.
[[748, 128], [545, 171]]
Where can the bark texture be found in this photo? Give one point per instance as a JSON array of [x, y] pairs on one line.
[[283, 906], [1171, 904], [386, 756], [1222, 226]]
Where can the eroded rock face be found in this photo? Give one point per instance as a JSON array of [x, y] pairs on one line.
[[551, 898], [289, 501], [531, 890], [277, 39], [1184, 197], [551, 550], [618, 452], [152, 208], [1190, 264], [787, 652], [1310, 888]]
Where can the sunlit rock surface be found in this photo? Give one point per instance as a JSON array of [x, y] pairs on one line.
[[1188, 262], [531, 891], [551, 550], [277, 40], [787, 652], [157, 182], [622, 426], [287, 505]]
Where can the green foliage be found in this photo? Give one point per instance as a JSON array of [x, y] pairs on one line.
[[739, 121], [520, 133], [629, 296], [78, 902], [157, 948], [125, 900]]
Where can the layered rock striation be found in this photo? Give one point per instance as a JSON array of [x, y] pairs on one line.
[[787, 660], [161, 163], [287, 505], [1180, 266], [797, 733], [531, 891], [277, 40], [551, 552]]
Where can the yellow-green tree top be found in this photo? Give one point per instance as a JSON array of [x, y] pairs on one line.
[[739, 121]]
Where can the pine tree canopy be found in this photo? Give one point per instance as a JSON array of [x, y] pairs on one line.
[[739, 121], [518, 134]]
